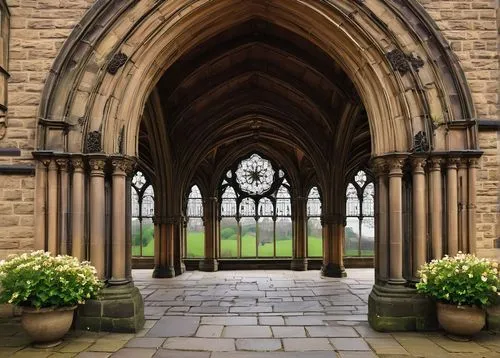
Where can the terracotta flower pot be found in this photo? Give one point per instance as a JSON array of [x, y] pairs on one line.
[[460, 320], [46, 326]]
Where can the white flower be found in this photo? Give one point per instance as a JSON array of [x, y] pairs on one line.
[[471, 275], [494, 288], [484, 278]]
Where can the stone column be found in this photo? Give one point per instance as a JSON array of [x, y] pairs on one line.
[[209, 263], [419, 215], [97, 214], [78, 209], [63, 208], [333, 225], [462, 206], [41, 204], [299, 261], [471, 204], [52, 212], [118, 221], [381, 220], [170, 231], [452, 207], [165, 267], [396, 221], [436, 207]]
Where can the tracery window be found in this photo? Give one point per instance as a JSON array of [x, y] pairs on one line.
[[360, 220], [255, 211], [195, 238], [314, 227], [142, 216]]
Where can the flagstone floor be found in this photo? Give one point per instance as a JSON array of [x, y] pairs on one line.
[[253, 314]]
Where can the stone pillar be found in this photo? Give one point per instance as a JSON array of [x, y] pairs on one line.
[[396, 221], [119, 307], [471, 204], [118, 221], [165, 255], [381, 220], [63, 209], [419, 216], [97, 214], [333, 225], [41, 204], [436, 207], [78, 209], [462, 206], [211, 219], [299, 261], [452, 207], [393, 306], [52, 212]]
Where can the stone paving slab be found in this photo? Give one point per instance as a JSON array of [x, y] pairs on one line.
[[258, 344], [171, 326], [200, 344], [253, 314], [307, 344]]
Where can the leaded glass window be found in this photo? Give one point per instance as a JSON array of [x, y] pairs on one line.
[[143, 206], [360, 211], [255, 210], [314, 227], [195, 230]]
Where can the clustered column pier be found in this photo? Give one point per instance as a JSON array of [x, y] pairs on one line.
[[71, 199], [393, 303]]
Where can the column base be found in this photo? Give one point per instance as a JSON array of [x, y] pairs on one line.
[[164, 272], [398, 308], [209, 265], [118, 309], [333, 270], [299, 264]]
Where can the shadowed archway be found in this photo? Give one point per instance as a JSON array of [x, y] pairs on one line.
[[324, 89]]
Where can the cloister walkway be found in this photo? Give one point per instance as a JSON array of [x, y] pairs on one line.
[[253, 314]]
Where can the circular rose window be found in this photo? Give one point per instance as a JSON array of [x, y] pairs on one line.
[[255, 175]]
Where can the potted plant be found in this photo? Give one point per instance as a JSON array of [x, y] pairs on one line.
[[48, 289], [462, 286]]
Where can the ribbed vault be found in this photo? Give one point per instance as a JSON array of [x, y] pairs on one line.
[[256, 86]]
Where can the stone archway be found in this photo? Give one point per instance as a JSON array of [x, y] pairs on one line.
[[394, 66]]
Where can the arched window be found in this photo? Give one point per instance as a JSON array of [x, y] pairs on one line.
[[195, 238], [255, 210], [360, 221], [4, 63], [143, 207], [314, 227]]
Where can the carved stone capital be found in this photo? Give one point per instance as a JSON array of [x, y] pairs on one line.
[[473, 162], [463, 163], [122, 166], [63, 163], [418, 165], [434, 164], [395, 165], [452, 162], [97, 165], [78, 164]]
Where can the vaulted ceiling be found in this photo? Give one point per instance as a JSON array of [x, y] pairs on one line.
[[258, 87]]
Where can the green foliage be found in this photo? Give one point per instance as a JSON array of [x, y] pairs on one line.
[[147, 236], [460, 280], [227, 233], [40, 280]]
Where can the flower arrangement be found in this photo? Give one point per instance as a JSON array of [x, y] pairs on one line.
[[460, 280], [40, 280]]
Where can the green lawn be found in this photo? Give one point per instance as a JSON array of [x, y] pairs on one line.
[[196, 242]]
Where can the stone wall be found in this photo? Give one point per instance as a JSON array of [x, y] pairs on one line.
[[40, 27], [471, 28]]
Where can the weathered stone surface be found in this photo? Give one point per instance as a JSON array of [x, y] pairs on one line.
[[307, 344], [258, 344], [172, 326], [200, 344], [247, 332]]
